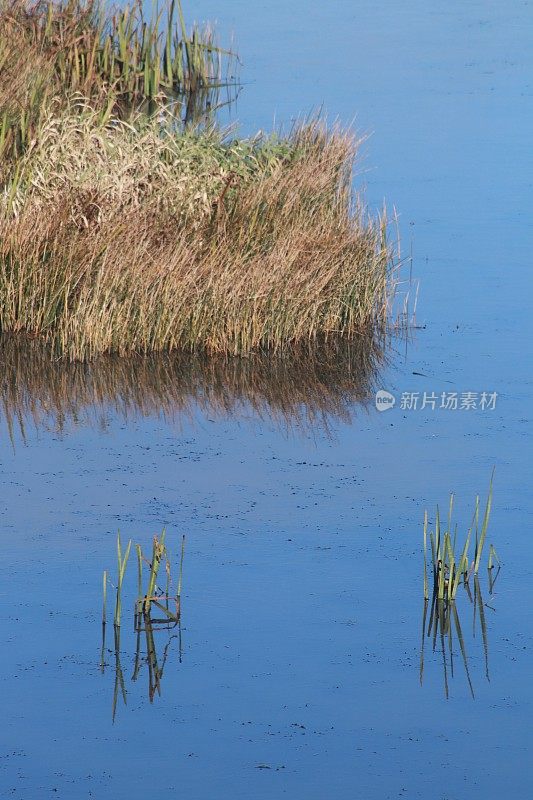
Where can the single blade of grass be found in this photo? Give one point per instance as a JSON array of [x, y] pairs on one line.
[[181, 566], [476, 522], [139, 571], [450, 511], [119, 676], [157, 555], [104, 603], [451, 565], [426, 590], [492, 579], [424, 616], [137, 663], [442, 562], [462, 647], [438, 542], [493, 556], [165, 610], [484, 526], [102, 650], [433, 557], [122, 564], [450, 643], [463, 564], [483, 623]]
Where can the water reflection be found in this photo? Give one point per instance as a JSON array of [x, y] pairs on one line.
[[452, 642], [148, 659], [303, 389]]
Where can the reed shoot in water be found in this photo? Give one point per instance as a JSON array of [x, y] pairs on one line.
[[448, 568]]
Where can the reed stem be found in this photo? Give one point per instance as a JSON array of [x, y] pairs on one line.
[[104, 604]]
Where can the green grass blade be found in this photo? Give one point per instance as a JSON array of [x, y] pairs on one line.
[[462, 646], [483, 623], [426, 591], [433, 555], [165, 610], [463, 564], [104, 605], [484, 526], [424, 617], [139, 571], [438, 536], [119, 552], [450, 511], [493, 555], [181, 565]]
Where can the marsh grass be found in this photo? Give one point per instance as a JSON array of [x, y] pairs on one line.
[[189, 261], [117, 59], [152, 594], [452, 566], [124, 231], [147, 596]]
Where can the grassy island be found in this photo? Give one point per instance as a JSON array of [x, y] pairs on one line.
[[130, 223]]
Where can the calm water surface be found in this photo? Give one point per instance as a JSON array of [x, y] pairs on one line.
[[299, 671]]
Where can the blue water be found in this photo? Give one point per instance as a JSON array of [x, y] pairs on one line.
[[302, 601]]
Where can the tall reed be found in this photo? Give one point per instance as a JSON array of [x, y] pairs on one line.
[[158, 551], [104, 605], [117, 59], [122, 564]]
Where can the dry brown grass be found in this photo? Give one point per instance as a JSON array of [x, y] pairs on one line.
[[137, 236]]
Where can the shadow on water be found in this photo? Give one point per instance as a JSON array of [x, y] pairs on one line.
[[451, 641], [301, 389]]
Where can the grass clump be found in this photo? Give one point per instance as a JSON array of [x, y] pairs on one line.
[[448, 566], [123, 230], [166, 599], [452, 566], [153, 594]]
